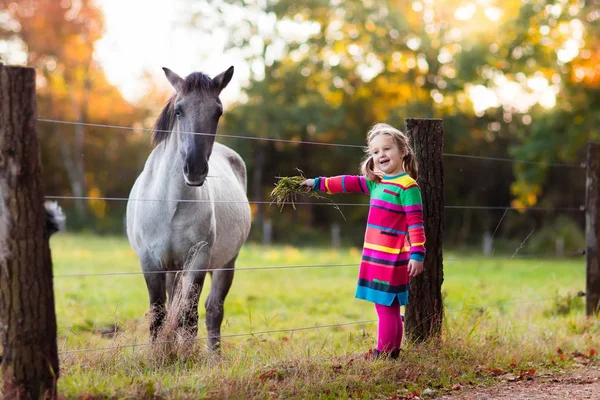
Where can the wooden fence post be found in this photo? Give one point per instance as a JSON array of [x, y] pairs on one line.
[[592, 229], [27, 316], [425, 309]]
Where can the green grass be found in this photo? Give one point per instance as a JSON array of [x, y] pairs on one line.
[[501, 315]]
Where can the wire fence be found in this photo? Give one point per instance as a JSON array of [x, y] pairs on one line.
[[479, 308], [312, 266], [286, 267], [267, 139], [96, 198]]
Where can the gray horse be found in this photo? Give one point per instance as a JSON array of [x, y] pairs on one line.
[[177, 219]]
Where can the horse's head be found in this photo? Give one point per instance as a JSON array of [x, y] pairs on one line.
[[196, 109]]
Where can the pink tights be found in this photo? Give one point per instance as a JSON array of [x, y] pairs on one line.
[[391, 327]]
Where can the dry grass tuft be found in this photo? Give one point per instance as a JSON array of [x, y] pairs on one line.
[[288, 188]]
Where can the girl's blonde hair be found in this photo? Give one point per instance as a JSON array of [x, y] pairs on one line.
[[367, 167]]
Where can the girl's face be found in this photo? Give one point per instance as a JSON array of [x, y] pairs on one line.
[[386, 155]]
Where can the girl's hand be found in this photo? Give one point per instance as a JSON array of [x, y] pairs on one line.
[[415, 268], [309, 183]]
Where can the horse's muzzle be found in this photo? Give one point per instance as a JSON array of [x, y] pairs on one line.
[[193, 177], [190, 181]]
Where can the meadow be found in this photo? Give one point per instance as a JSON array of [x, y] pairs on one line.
[[502, 316]]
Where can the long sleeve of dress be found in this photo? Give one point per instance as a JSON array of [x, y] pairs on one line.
[[343, 184]]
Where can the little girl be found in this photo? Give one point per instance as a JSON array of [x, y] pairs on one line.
[[394, 246]]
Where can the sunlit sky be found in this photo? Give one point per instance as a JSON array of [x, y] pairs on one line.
[[145, 35]]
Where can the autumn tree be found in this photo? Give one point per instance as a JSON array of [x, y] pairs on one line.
[[58, 39]]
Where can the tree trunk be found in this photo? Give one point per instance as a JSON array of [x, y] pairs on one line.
[[592, 231], [27, 318], [74, 160], [425, 310]]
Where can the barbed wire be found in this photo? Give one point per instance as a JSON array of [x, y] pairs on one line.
[[275, 267], [580, 208], [501, 159], [304, 328]]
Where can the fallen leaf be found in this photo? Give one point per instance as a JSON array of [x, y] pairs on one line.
[[270, 374], [527, 374], [494, 371], [578, 354]]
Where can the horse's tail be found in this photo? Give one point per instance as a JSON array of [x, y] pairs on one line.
[[55, 218]]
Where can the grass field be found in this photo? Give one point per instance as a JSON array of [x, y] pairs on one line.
[[502, 314]]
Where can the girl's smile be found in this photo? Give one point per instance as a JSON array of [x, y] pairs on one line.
[[386, 155]]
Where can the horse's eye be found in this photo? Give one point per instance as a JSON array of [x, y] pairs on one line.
[[178, 111], [218, 113]]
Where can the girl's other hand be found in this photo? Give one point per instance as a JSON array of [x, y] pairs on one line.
[[309, 183], [415, 267]]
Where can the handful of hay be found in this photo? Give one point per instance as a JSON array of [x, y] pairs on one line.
[[289, 187]]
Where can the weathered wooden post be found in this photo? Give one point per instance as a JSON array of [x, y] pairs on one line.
[[27, 316], [592, 230], [425, 309]]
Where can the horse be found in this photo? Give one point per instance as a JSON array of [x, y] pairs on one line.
[[181, 224]]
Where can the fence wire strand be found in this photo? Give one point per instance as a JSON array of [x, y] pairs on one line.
[[304, 328], [501, 159], [580, 208], [283, 267]]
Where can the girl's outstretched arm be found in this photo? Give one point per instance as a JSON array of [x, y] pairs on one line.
[[341, 184]]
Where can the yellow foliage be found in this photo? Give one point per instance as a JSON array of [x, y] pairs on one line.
[[98, 207], [526, 194]]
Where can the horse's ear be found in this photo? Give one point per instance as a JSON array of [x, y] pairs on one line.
[[175, 80], [222, 80]]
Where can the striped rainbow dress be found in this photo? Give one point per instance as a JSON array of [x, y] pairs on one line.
[[394, 233]]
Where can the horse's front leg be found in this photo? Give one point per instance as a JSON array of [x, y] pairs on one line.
[[155, 283], [221, 283], [192, 282]]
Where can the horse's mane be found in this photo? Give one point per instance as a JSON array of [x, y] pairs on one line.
[[196, 81]]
